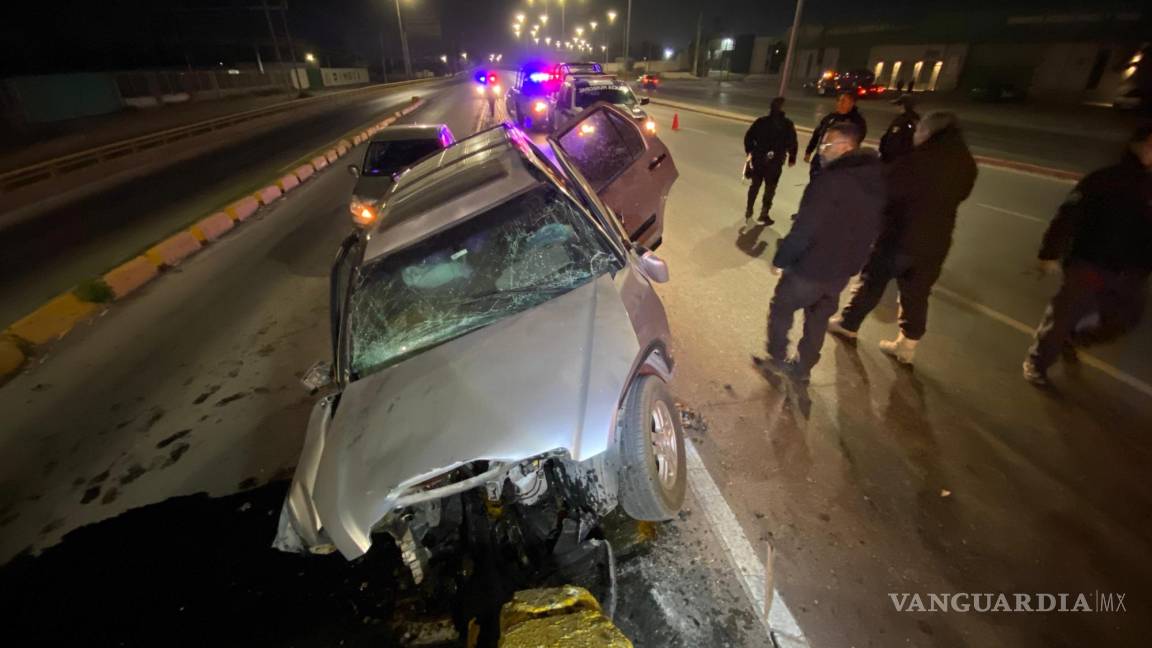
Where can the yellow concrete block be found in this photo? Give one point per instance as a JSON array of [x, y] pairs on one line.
[[545, 601], [243, 208], [173, 249], [52, 320], [127, 277], [11, 356], [332, 156], [580, 629], [319, 162]]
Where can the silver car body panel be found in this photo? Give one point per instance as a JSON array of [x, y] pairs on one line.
[[547, 379]]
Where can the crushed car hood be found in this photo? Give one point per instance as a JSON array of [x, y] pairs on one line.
[[544, 379]]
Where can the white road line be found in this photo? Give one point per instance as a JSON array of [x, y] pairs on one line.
[[994, 208], [1088, 359], [778, 619]]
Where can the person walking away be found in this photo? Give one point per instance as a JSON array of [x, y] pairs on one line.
[[840, 217], [897, 140], [925, 187], [1103, 235], [769, 140], [845, 112]]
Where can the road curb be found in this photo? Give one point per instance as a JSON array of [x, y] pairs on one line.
[[61, 314], [983, 160], [52, 320], [172, 250], [125, 278]]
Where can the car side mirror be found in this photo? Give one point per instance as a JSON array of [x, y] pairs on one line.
[[354, 170], [644, 101], [652, 266], [318, 377]]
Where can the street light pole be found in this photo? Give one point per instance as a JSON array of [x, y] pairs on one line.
[[791, 48], [404, 43], [628, 32]]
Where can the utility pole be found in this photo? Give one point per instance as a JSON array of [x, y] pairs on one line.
[[383, 57], [628, 32], [272, 31], [791, 48], [563, 29], [404, 43], [696, 51], [288, 32]]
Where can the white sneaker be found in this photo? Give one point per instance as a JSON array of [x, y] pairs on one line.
[[836, 327], [903, 349]]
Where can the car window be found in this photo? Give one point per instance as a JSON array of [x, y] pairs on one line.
[[516, 256], [387, 158], [618, 96], [602, 146]]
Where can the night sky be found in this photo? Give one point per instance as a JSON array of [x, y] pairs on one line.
[[124, 34]]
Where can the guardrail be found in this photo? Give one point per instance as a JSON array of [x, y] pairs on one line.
[[40, 171]]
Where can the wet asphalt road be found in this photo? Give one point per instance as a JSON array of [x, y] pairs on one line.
[[953, 477], [76, 242]]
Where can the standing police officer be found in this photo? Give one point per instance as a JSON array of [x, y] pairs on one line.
[[767, 142], [845, 112], [897, 140]]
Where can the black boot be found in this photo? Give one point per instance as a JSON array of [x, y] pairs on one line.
[[765, 219]]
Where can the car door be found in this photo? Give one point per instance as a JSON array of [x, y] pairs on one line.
[[630, 170]]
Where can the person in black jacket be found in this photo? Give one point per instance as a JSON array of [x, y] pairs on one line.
[[897, 140], [840, 216], [1103, 234], [925, 187], [768, 141], [845, 112]]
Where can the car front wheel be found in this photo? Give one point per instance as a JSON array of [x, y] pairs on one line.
[[653, 474]]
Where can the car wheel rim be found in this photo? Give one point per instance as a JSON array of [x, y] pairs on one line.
[[664, 447]]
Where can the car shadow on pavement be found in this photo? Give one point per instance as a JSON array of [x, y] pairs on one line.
[[198, 571]]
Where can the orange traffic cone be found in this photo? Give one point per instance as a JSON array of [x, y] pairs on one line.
[[675, 121]]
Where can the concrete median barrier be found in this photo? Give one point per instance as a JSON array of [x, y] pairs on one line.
[[243, 208], [342, 148], [288, 182], [319, 162], [304, 171], [172, 250], [53, 320], [11, 356], [212, 227], [268, 195], [331, 155], [125, 278]]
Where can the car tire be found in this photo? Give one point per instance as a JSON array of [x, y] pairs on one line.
[[653, 472]]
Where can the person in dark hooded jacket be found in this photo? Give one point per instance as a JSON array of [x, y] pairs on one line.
[[1102, 238], [840, 216], [845, 112], [769, 141], [925, 188]]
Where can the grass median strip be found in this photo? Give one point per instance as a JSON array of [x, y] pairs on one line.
[[57, 317]]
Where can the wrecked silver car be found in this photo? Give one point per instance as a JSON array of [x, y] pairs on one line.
[[495, 336]]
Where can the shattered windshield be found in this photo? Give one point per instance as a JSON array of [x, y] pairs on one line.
[[619, 96], [514, 257]]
